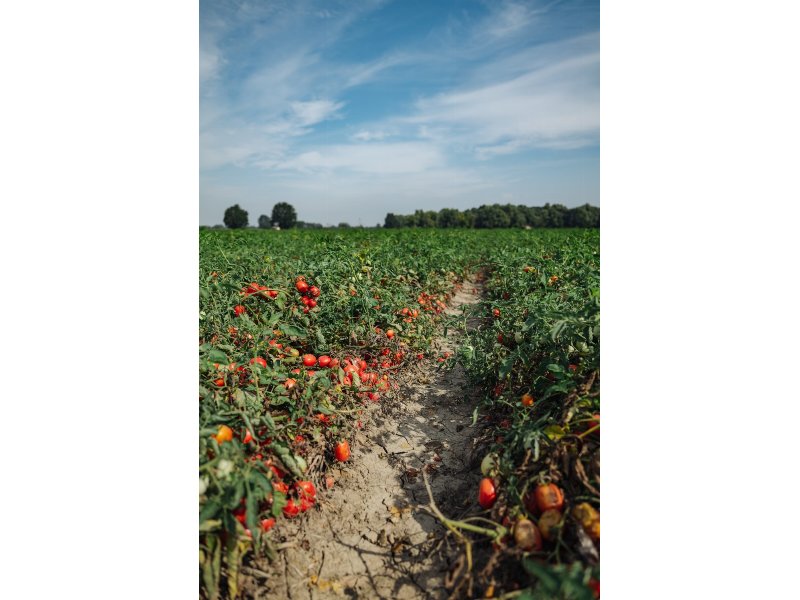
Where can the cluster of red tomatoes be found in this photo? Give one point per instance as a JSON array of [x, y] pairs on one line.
[[308, 293], [431, 303], [300, 496]]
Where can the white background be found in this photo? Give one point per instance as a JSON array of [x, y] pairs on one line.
[[699, 192]]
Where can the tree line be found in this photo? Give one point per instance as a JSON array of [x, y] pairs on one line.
[[500, 215], [484, 217]]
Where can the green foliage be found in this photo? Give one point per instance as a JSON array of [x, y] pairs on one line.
[[264, 222], [367, 277]]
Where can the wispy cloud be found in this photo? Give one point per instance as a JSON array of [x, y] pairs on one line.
[[382, 158]]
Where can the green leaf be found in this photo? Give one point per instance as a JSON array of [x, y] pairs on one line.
[[216, 356], [211, 508], [293, 330], [506, 366], [210, 525], [546, 579], [554, 432], [251, 516], [212, 567], [260, 481], [278, 502]]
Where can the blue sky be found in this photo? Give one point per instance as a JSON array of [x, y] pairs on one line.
[[349, 110]]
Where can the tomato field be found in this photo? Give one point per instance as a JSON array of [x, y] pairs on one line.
[[303, 333]]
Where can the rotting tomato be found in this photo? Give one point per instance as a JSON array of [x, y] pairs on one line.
[[548, 497], [527, 536], [548, 524], [487, 494]]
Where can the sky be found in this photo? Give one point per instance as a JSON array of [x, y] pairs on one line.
[[351, 110]]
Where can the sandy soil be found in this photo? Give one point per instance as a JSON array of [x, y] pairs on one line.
[[370, 536]]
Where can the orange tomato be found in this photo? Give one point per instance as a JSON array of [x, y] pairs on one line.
[[487, 494], [342, 451], [548, 497], [224, 434]]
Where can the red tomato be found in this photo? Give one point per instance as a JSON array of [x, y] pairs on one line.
[[334, 363], [496, 312], [280, 486], [267, 524], [390, 333], [291, 509], [311, 303], [239, 310], [324, 361], [342, 451], [301, 286], [548, 497], [314, 291], [306, 489], [305, 300], [248, 437], [486, 493], [594, 585], [309, 360], [289, 383], [219, 382], [258, 360]]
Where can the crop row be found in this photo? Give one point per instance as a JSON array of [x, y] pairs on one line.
[[298, 332], [536, 358]]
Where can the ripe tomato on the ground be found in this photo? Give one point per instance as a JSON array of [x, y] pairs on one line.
[[487, 494], [342, 451]]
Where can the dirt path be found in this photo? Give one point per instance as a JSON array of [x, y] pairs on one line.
[[370, 539]]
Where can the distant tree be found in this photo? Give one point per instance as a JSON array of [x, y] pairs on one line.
[[555, 215], [584, 216], [235, 217], [264, 222], [393, 221], [343, 225], [423, 218], [491, 217], [284, 215], [450, 217]]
